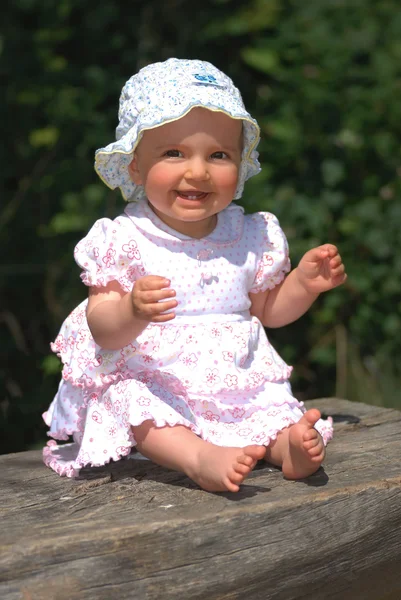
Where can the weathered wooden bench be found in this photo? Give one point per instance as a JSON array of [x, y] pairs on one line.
[[133, 530]]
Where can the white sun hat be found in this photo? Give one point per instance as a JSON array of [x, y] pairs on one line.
[[164, 92]]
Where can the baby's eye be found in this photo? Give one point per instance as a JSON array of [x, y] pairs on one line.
[[219, 155], [173, 153]]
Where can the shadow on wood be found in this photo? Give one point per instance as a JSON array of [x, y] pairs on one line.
[[132, 530]]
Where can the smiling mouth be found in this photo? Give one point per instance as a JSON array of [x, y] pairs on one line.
[[192, 195]]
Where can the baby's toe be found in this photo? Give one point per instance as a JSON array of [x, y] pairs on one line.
[[241, 468], [317, 450], [309, 444], [310, 434], [246, 460], [235, 477]]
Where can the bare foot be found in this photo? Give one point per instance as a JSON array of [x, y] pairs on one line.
[[306, 449], [219, 469], [213, 468]]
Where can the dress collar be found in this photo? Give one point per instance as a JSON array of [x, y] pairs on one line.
[[228, 230]]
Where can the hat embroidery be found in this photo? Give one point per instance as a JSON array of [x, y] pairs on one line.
[[208, 79]]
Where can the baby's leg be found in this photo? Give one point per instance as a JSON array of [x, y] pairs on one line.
[[298, 449], [213, 468]]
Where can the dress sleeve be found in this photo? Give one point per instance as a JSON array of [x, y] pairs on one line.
[[109, 252], [272, 259]]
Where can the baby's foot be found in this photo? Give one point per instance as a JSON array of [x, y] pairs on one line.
[[306, 449], [219, 469]]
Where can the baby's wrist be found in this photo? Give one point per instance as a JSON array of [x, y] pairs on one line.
[[306, 284]]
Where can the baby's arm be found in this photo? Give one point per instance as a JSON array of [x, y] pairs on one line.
[[320, 269], [116, 317]]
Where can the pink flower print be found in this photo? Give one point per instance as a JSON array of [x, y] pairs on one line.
[[231, 380], [131, 273], [191, 404], [122, 386], [260, 438], [97, 417], [131, 249], [180, 410], [190, 361], [83, 458], [123, 450], [268, 260], [210, 416], [59, 345], [212, 377], [142, 401], [71, 341], [128, 350], [112, 431], [81, 338], [228, 356], [244, 432], [108, 405], [106, 378], [215, 332], [241, 341], [108, 258], [85, 381], [191, 338], [124, 418], [231, 425], [66, 373], [147, 359], [117, 407], [259, 275], [273, 412], [84, 360], [238, 412], [120, 364], [228, 328], [257, 377], [145, 379], [93, 399]]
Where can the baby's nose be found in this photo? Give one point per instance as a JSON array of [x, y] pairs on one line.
[[197, 169]]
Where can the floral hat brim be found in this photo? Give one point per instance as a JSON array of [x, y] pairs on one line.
[[164, 92]]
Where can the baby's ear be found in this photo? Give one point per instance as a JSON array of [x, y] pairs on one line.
[[134, 171]]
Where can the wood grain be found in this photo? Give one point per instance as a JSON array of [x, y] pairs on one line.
[[132, 530]]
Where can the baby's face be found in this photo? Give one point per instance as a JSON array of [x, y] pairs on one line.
[[189, 169]]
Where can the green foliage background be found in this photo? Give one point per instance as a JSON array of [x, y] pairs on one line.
[[323, 79]]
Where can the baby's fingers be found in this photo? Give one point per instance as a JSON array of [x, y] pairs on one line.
[[151, 282], [336, 262], [152, 296], [153, 310]]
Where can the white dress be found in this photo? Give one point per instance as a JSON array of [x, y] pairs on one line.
[[211, 368]]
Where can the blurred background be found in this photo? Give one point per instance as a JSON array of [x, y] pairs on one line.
[[324, 81]]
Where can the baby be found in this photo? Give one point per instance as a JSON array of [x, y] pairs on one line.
[[169, 353]]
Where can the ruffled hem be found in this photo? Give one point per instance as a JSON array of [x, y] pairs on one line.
[[67, 460]]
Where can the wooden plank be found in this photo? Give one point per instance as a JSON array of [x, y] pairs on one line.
[[135, 530]]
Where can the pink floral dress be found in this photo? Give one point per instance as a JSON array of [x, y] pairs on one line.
[[211, 368]]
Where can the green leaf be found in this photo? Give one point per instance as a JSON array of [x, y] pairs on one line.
[[262, 59], [47, 136]]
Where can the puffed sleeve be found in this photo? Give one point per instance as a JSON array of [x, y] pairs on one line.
[[272, 255], [109, 252]]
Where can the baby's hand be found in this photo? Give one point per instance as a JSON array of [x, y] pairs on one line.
[[146, 295], [321, 269]]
